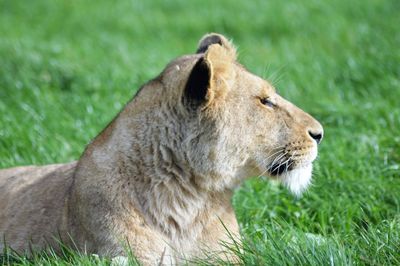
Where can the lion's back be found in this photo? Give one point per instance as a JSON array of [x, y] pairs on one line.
[[32, 200]]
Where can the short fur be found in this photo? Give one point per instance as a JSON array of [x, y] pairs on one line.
[[162, 174]]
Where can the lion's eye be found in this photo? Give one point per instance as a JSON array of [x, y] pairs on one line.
[[267, 102]]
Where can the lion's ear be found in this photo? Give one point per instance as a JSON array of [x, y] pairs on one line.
[[220, 62], [214, 38], [211, 76], [198, 83]]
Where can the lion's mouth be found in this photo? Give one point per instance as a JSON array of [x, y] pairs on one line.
[[294, 175], [277, 169]]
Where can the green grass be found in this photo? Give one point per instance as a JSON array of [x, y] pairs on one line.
[[68, 67]]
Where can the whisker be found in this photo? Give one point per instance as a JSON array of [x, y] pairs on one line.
[[273, 154], [265, 171], [265, 160], [278, 158]]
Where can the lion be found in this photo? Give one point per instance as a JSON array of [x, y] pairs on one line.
[[161, 175]]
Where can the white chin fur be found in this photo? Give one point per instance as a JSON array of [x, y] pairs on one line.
[[297, 180]]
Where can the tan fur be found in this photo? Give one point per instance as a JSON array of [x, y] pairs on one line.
[[160, 177]]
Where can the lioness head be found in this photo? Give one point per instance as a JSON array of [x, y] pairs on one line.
[[222, 123]]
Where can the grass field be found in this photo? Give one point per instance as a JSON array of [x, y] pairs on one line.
[[68, 67]]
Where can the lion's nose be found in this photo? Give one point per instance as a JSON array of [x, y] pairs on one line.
[[316, 135]]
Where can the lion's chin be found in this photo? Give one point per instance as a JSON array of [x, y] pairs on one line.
[[297, 180]]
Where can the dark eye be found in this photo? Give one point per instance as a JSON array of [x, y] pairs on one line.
[[267, 102]]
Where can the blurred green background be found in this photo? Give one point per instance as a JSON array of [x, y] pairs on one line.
[[68, 67]]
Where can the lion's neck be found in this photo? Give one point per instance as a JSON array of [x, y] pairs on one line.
[[159, 181], [170, 199]]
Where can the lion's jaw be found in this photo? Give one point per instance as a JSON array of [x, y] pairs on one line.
[[297, 180]]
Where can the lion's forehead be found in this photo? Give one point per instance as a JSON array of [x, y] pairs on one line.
[[242, 86], [249, 82]]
